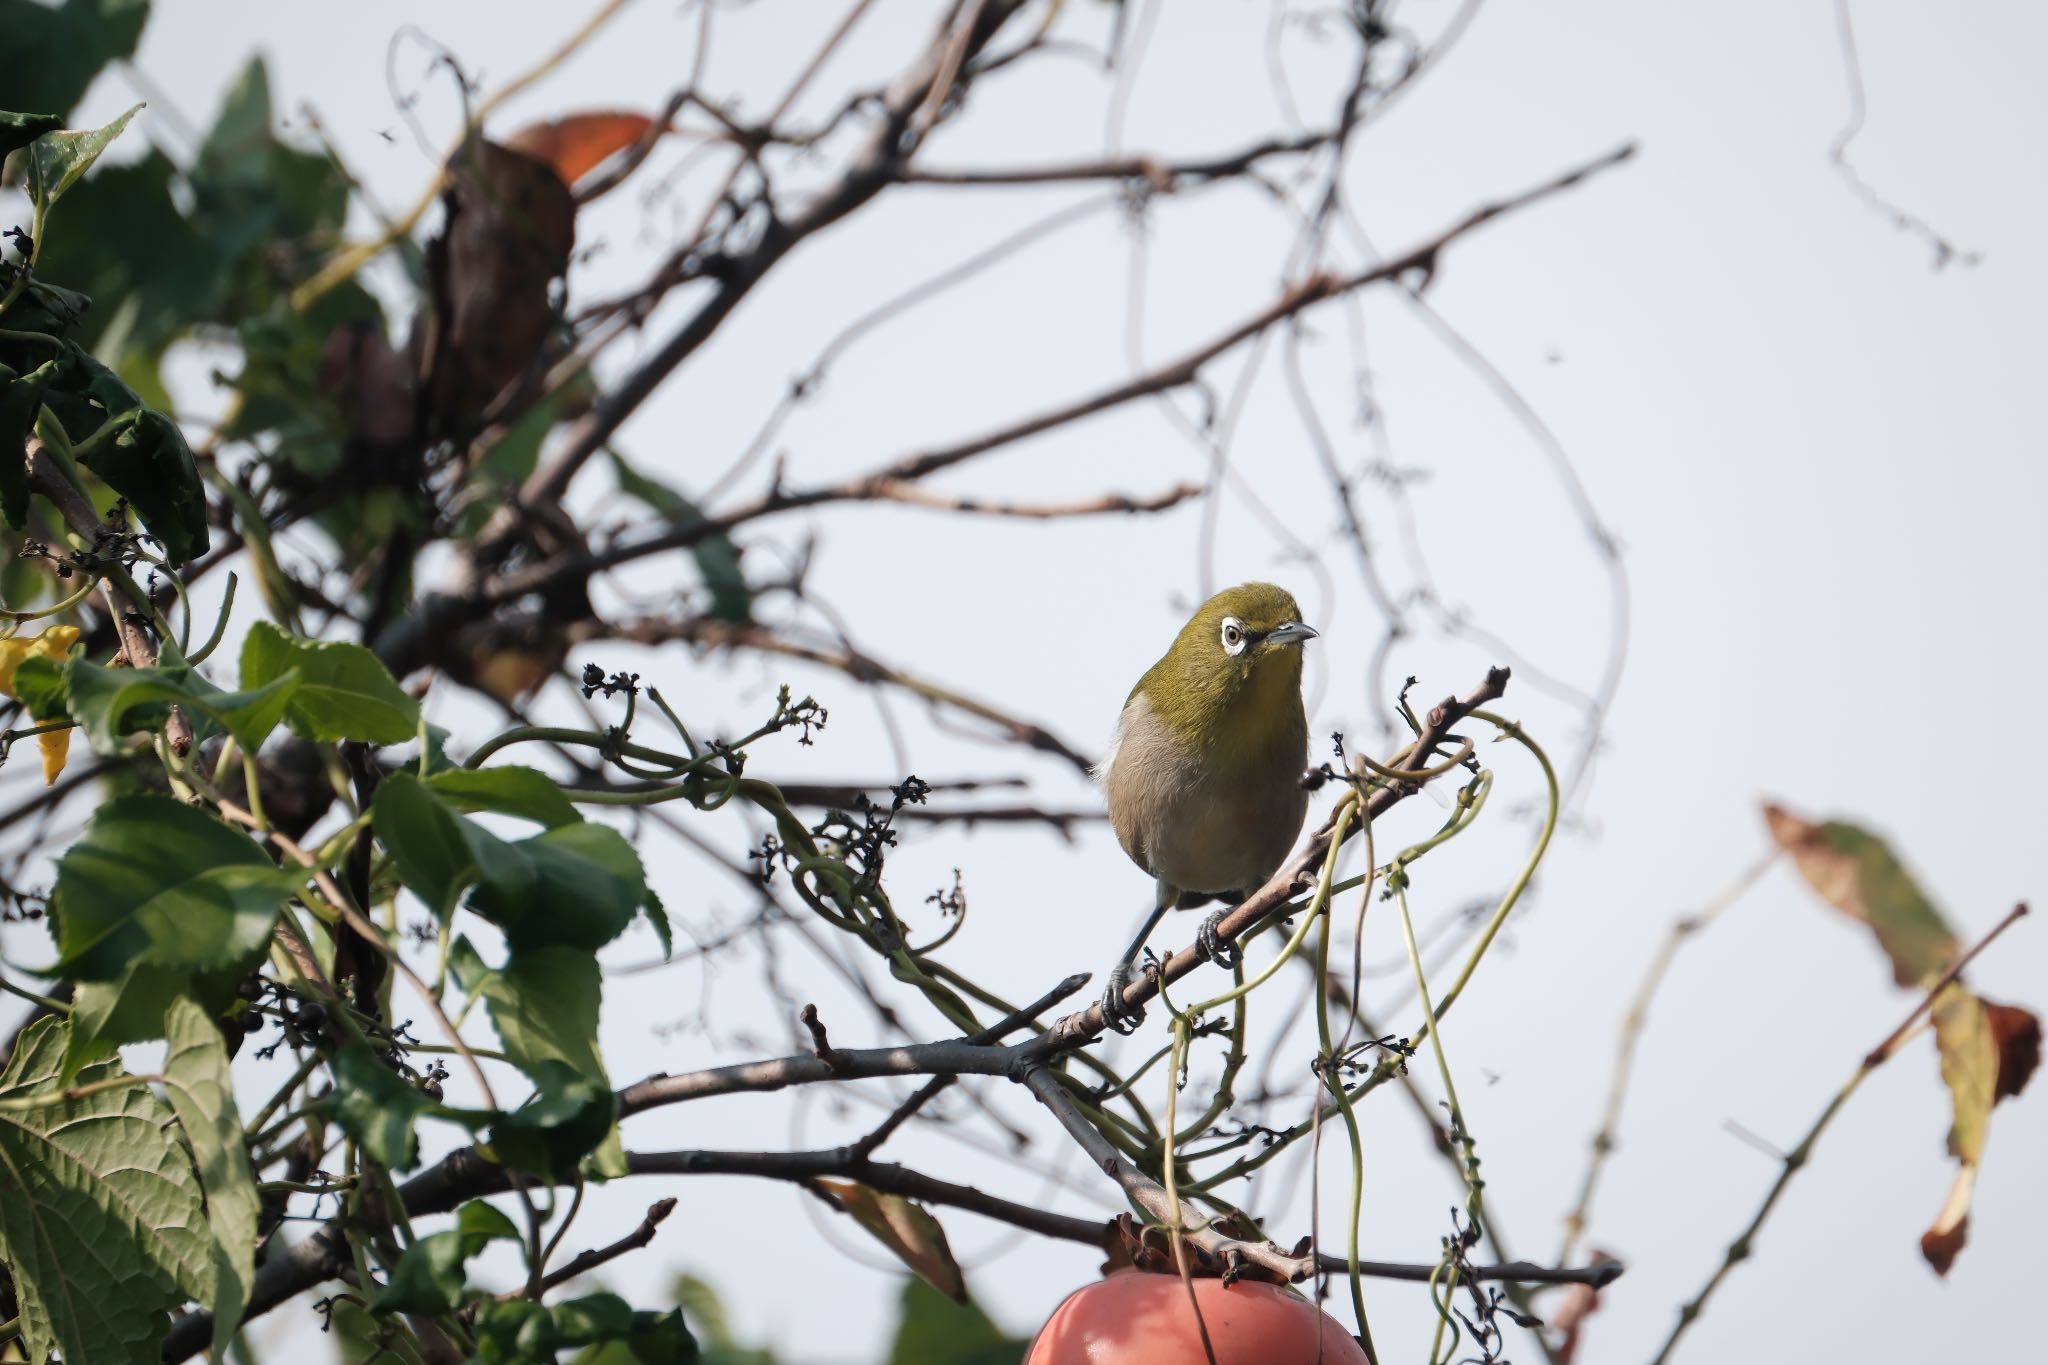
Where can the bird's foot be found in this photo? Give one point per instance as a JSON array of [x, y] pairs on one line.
[[1221, 952], [1121, 1018]]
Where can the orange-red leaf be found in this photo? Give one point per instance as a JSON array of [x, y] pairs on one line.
[[1856, 873], [577, 144]]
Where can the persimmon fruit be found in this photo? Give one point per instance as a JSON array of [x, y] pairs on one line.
[[1138, 1317]]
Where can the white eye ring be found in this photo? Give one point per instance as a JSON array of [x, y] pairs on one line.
[[1233, 636]]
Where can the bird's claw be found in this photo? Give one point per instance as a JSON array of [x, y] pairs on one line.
[[1221, 952], [1121, 1018]]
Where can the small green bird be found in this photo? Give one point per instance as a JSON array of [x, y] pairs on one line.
[[1204, 775]]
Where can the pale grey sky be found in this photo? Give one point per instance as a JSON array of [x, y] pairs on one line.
[[1821, 456]]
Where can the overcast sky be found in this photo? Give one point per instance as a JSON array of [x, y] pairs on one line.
[[1821, 456]]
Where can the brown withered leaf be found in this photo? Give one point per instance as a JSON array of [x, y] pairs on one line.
[[511, 226], [1988, 1051], [2017, 1034], [913, 1235], [1940, 1243], [576, 144], [1856, 872]]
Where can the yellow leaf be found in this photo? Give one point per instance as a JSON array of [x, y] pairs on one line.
[[56, 747], [53, 644]]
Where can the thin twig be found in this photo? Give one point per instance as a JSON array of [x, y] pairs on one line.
[[1739, 1250]]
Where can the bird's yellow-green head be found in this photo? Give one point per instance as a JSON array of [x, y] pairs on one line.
[[1233, 675]]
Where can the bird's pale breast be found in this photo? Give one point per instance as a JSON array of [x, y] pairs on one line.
[[1187, 825]]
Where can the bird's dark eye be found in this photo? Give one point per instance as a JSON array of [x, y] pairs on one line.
[[1233, 635]]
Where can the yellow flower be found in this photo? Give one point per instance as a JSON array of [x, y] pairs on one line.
[[55, 645]]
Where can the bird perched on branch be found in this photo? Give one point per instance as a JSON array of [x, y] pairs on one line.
[[1204, 776]]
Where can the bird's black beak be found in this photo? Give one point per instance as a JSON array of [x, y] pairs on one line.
[[1291, 633]]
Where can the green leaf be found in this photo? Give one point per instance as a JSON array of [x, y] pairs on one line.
[[934, 1330], [131, 1008], [53, 52], [523, 792], [18, 130], [85, 395], [159, 883], [365, 1340], [44, 687], [21, 398], [146, 460], [544, 1003], [1856, 872], [657, 919], [201, 1092], [718, 559], [524, 1332], [377, 1107], [100, 1217], [112, 702], [568, 1117], [125, 241], [587, 886], [344, 690], [439, 853], [58, 160], [429, 1277]]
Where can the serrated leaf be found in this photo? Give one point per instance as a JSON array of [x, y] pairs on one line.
[[567, 1117], [131, 1008], [657, 919], [912, 1234], [587, 886], [202, 1093], [545, 1003], [21, 398], [380, 1109], [158, 883], [111, 703], [1856, 872], [522, 1331], [429, 1277], [57, 160], [526, 793], [100, 1217], [439, 853], [344, 690], [145, 460]]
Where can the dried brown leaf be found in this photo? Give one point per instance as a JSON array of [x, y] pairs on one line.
[[1940, 1243], [2017, 1034], [906, 1229]]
